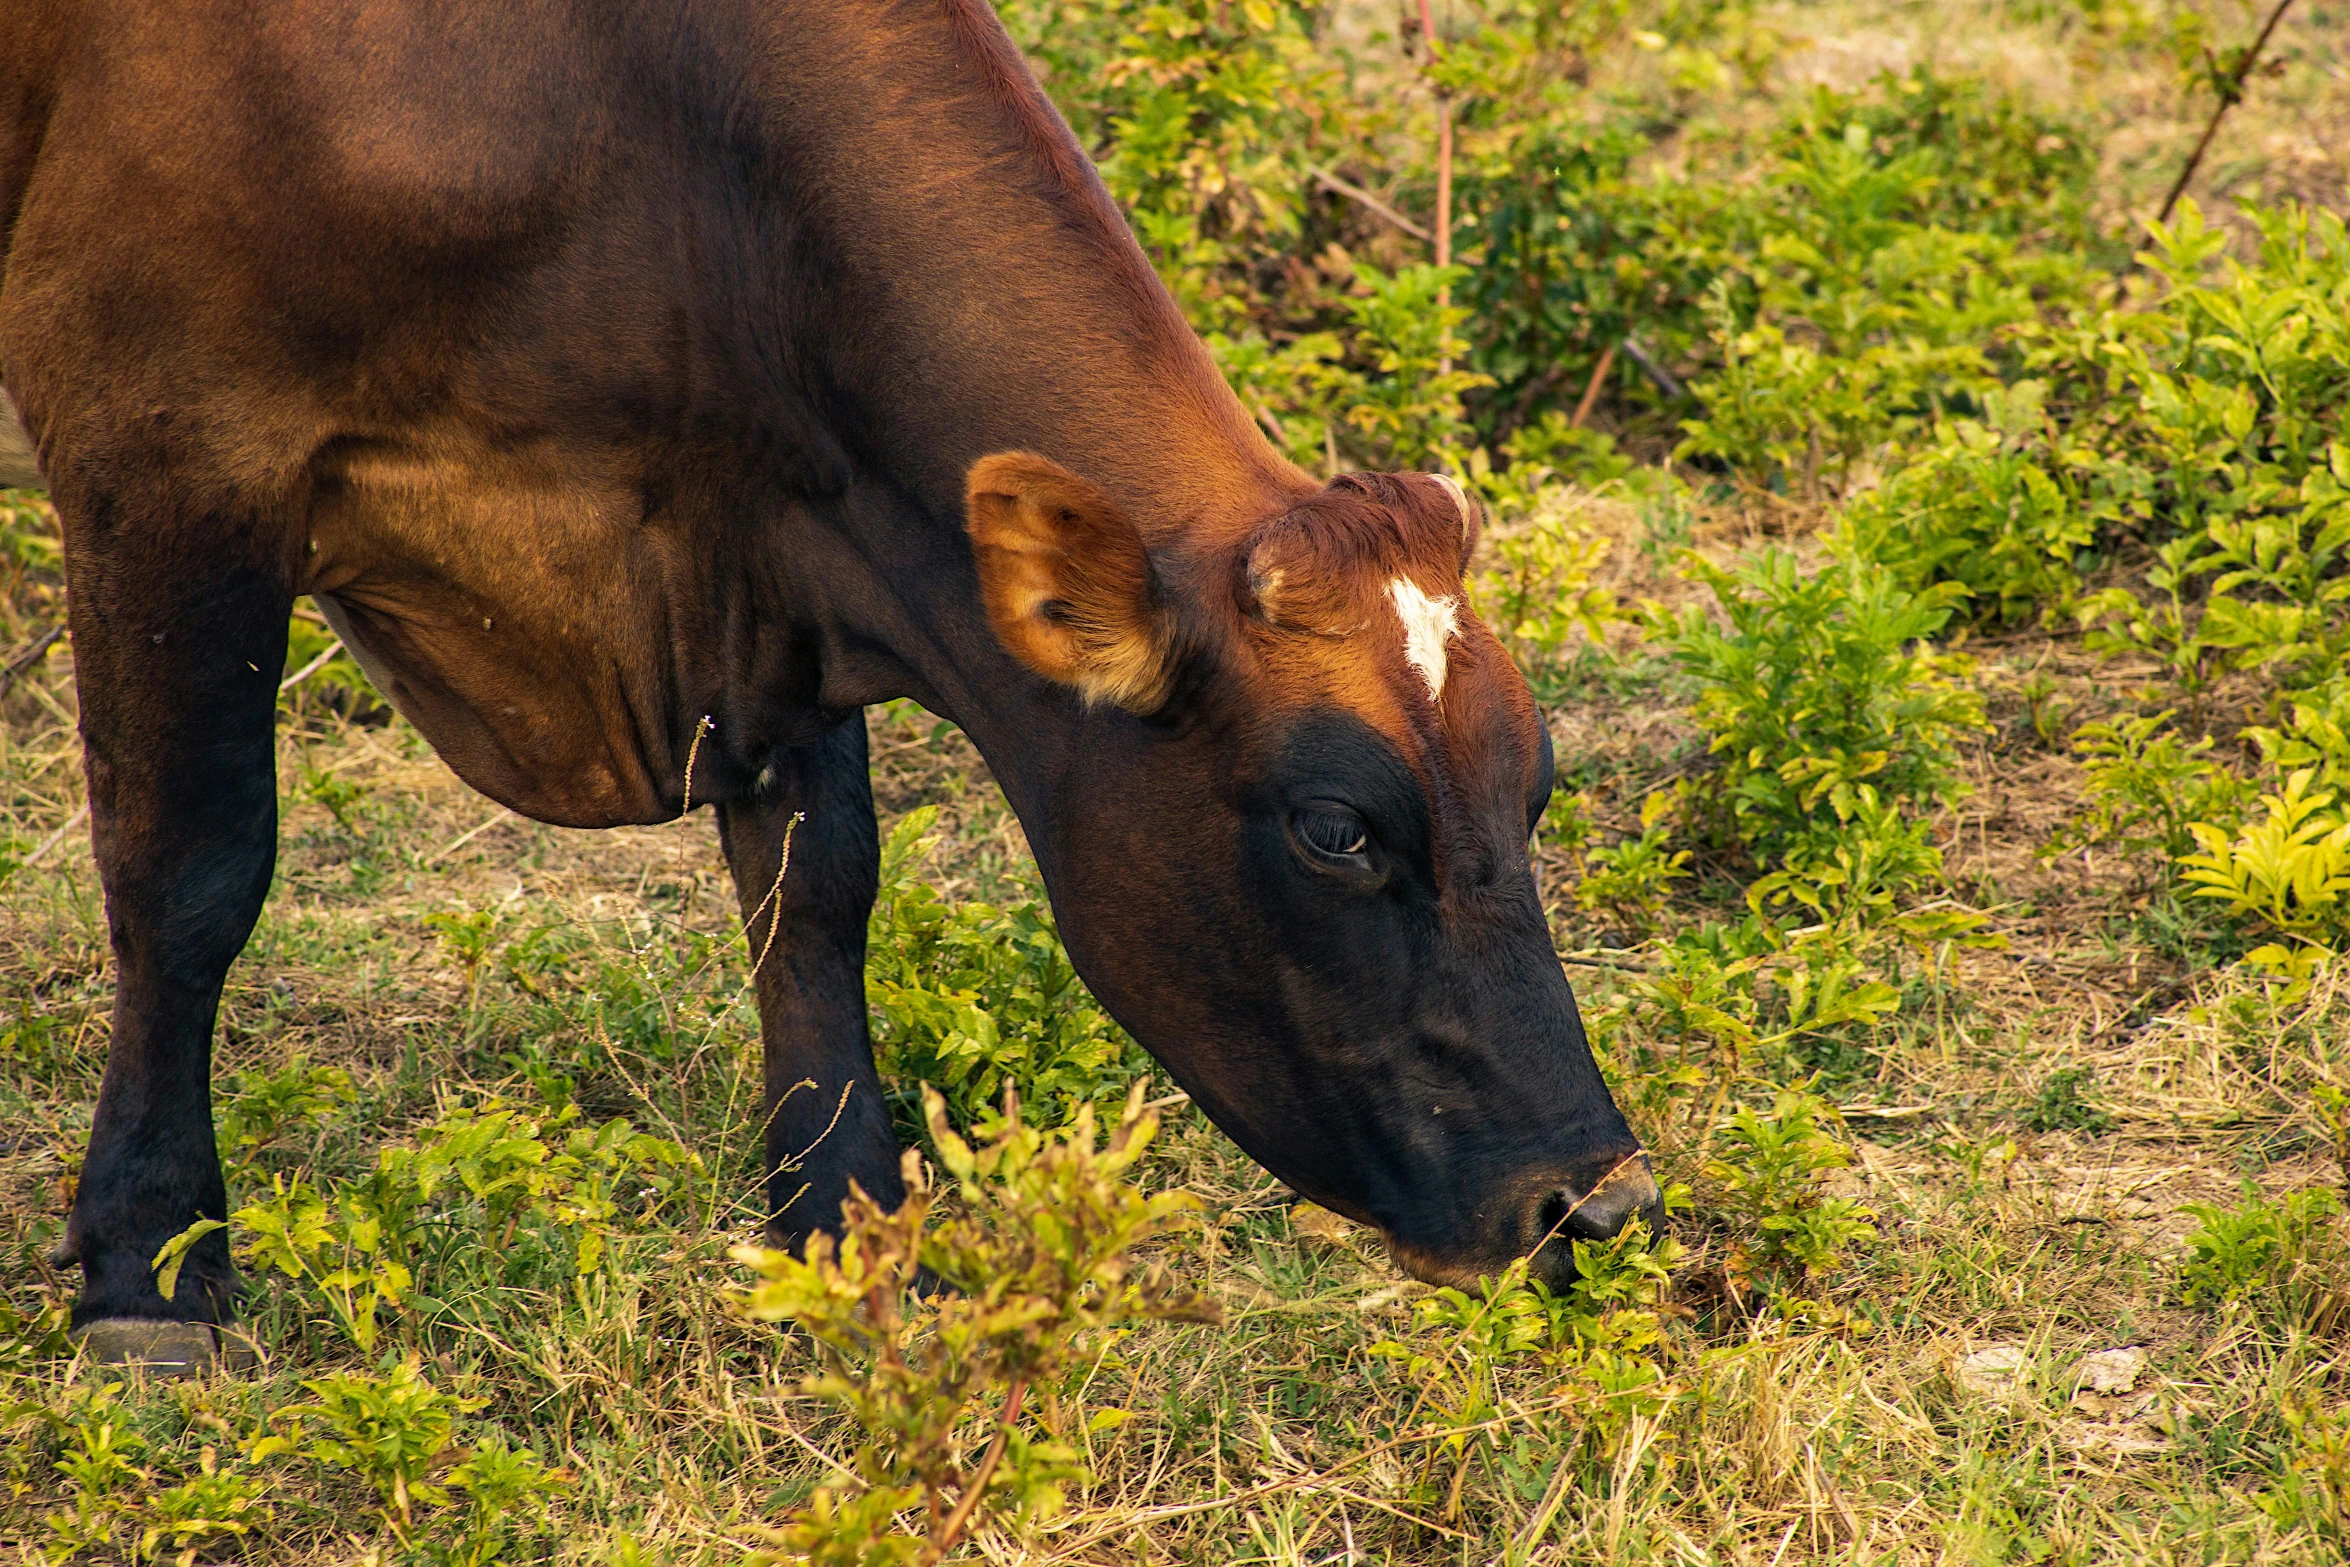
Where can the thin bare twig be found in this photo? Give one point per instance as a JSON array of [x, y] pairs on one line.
[[1657, 374], [774, 897], [2231, 93], [464, 838], [311, 668], [29, 657], [1625, 964], [1355, 193], [1607, 362], [57, 837], [800, 1158]]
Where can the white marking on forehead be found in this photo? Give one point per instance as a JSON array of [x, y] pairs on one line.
[[1428, 623]]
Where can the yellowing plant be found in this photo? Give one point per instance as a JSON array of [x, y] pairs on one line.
[[1545, 590], [1035, 1253], [2289, 870]]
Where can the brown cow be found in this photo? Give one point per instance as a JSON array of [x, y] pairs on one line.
[[602, 367]]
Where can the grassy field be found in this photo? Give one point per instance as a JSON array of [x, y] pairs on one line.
[[1892, 781]]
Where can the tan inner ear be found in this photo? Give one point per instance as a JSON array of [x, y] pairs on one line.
[[1469, 511], [1066, 582]]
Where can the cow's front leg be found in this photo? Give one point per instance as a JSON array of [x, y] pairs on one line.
[[177, 654], [825, 1120]]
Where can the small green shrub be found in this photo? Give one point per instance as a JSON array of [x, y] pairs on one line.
[[2287, 1258], [493, 1167], [386, 1429], [1983, 506], [1298, 391], [1512, 1315], [1596, 1345], [623, 990], [1569, 254], [1855, 319], [2147, 787], [1542, 594], [1816, 687], [504, 1486], [1725, 1006], [30, 1336], [1769, 1168], [969, 997], [1036, 1257], [1408, 413], [394, 1431], [38, 1042], [1999, 163], [98, 1457], [123, 1509], [213, 1506], [469, 936], [354, 1253], [2210, 426], [1631, 879], [341, 797], [2287, 871], [1855, 872], [1204, 119], [2313, 1481], [262, 1110], [1391, 385], [2063, 1105], [2314, 736]]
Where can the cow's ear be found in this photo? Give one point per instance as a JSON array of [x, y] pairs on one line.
[[1067, 583]]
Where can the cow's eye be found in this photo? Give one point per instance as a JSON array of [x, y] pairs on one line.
[[1331, 835]]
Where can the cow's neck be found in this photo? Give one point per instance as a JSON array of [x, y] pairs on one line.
[[978, 292], [984, 293]]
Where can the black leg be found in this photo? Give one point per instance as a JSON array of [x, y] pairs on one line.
[[826, 1122], [177, 653]]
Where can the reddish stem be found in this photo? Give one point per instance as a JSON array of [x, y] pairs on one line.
[[944, 1540], [1443, 172], [1599, 372], [2229, 97]]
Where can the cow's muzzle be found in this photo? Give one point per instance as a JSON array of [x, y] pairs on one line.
[[1547, 1226]]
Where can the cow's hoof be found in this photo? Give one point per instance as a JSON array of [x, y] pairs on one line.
[[166, 1349]]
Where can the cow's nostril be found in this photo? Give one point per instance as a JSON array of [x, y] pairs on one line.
[[1626, 1192]]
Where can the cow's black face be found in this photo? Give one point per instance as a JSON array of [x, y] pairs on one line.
[[1303, 881]]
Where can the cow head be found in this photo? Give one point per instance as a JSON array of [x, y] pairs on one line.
[[1291, 853]]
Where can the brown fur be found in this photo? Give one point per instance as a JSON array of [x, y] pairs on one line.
[[1323, 565]]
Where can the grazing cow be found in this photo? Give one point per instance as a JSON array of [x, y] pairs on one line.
[[603, 368]]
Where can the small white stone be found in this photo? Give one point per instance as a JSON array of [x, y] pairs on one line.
[[2111, 1371], [2132, 1439], [1991, 1369]]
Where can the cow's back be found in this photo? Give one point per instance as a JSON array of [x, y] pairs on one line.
[[399, 287], [205, 192]]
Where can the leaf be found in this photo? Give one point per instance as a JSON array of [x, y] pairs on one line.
[[168, 1261]]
